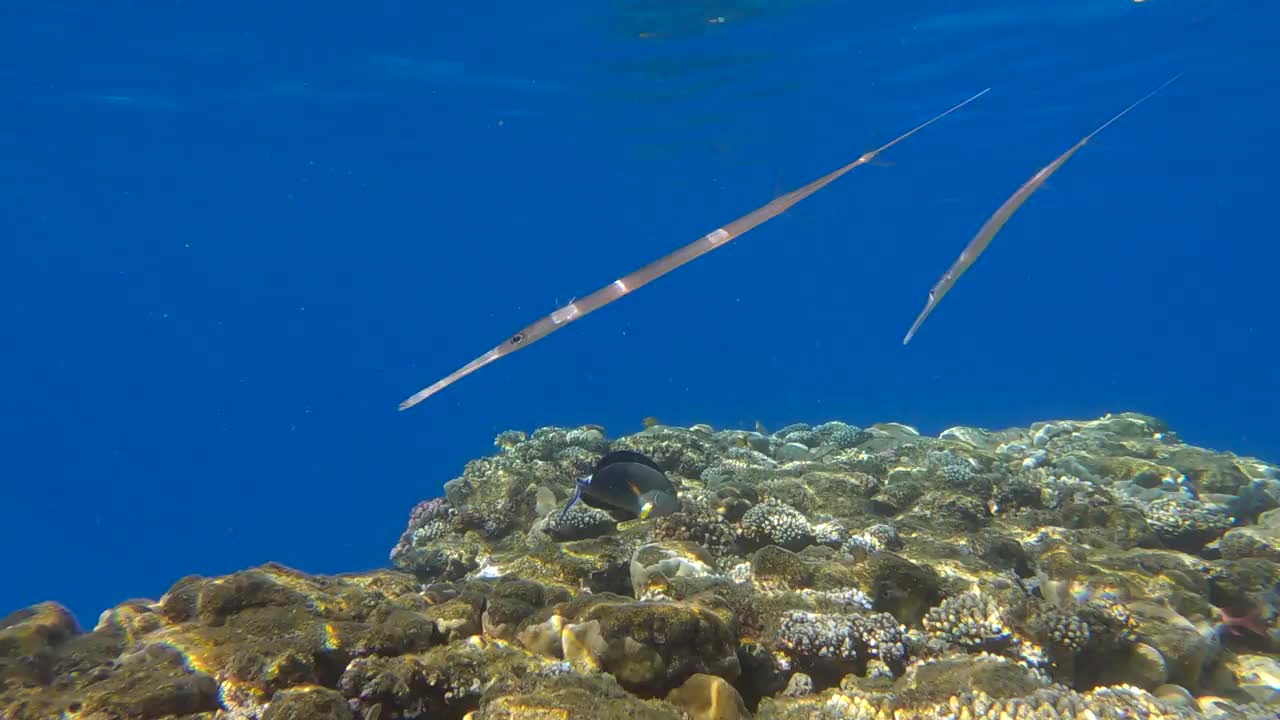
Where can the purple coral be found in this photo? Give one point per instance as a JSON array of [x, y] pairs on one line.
[[426, 514]]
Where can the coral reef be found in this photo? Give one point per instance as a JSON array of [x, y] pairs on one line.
[[1073, 569]]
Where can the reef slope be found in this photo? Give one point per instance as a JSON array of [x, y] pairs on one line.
[[1071, 569]]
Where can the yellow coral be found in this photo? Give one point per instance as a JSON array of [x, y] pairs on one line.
[[709, 697], [583, 645]]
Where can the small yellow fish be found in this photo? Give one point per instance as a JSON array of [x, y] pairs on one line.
[[651, 421]]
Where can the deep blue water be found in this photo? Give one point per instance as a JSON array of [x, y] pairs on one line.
[[236, 235]]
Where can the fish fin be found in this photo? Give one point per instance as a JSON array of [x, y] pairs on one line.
[[634, 488], [621, 456], [577, 494], [645, 510]]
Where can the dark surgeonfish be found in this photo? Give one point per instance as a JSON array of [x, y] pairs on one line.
[[628, 482]]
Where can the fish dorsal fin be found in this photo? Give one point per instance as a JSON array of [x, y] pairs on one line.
[[621, 456]]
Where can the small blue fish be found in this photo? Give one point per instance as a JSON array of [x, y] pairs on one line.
[[628, 482]]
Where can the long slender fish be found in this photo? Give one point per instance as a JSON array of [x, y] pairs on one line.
[[656, 269], [993, 224]]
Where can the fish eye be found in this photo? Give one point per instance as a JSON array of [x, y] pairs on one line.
[[517, 338]]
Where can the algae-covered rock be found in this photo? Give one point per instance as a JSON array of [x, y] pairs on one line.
[[651, 647], [899, 587], [448, 680], [308, 702], [29, 641], [152, 682], [1251, 542], [773, 567], [563, 695]]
